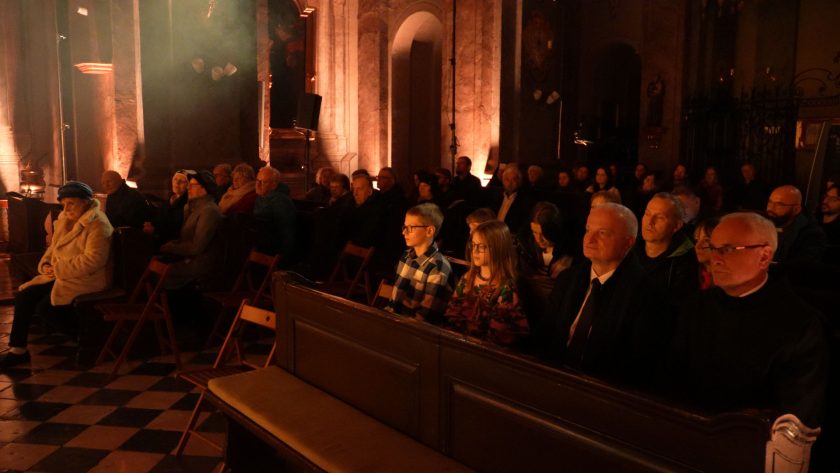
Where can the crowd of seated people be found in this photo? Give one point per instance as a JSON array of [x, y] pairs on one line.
[[661, 292]]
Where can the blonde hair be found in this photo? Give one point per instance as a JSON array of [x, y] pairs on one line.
[[500, 251]]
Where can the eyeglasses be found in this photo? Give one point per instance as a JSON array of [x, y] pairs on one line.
[[476, 247], [410, 228], [729, 249]]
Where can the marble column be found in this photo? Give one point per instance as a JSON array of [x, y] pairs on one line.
[[14, 134], [128, 88]]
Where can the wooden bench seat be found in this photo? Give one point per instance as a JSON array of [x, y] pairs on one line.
[[327, 432]]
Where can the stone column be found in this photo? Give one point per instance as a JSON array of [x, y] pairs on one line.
[[14, 133], [477, 82], [128, 87]]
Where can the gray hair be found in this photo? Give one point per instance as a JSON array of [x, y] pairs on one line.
[[676, 204], [631, 224], [245, 170], [275, 174], [758, 225]]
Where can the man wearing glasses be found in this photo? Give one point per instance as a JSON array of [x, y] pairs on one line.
[[750, 341], [800, 237]]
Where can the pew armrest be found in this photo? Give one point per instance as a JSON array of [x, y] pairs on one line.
[[789, 447]]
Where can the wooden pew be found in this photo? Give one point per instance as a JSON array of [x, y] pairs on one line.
[[488, 408]]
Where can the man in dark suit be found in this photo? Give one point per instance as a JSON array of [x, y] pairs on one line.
[[605, 316], [125, 207], [801, 239], [516, 202], [465, 186]]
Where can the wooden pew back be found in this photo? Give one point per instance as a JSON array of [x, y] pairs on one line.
[[491, 409]]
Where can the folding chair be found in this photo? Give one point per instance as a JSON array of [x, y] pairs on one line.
[[244, 287], [132, 315], [351, 251], [247, 314], [383, 293]]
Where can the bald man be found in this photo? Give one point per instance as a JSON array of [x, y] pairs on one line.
[[750, 341], [801, 239], [125, 207]]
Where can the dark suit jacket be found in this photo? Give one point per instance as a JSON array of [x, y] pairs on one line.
[[802, 241], [631, 329], [519, 214], [126, 207]]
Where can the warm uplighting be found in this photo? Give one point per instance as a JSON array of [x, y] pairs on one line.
[[95, 68]]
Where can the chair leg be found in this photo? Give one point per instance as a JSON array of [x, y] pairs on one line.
[[185, 437], [217, 329], [135, 332], [173, 344], [106, 349]]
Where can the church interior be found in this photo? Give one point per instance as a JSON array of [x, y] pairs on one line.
[[405, 89]]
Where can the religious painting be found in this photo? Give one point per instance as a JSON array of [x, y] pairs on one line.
[[287, 39]]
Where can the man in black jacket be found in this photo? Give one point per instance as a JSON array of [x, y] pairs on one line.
[[605, 316], [801, 239], [125, 206], [750, 341]]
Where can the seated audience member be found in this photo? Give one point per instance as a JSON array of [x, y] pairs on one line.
[[421, 288], [75, 263], [365, 218], [710, 192], [564, 181], [485, 303], [274, 216], [515, 206], [643, 194], [320, 192], [359, 172], [537, 182], [603, 183], [166, 222], [679, 177], [428, 190], [605, 316], [801, 239], [604, 197], [479, 216], [750, 193], [192, 255], [125, 207], [691, 208], [750, 341], [581, 177], [340, 191], [240, 197], [223, 178], [665, 252], [702, 236], [830, 210], [548, 252], [446, 194], [395, 204], [466, 186]]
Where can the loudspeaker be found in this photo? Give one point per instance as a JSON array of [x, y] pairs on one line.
[[309, 109]]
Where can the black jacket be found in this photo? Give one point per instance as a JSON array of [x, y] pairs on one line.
[[126, 207]]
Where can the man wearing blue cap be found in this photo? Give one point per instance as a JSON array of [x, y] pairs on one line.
[[74, 264]]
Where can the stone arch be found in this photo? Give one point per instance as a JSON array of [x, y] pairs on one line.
[[415, 93]]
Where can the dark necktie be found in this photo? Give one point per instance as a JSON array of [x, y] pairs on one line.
[[574, 351]]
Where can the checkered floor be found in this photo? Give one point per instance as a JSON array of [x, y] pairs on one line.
[[55, 418]]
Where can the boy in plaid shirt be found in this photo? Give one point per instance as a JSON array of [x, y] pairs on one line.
[[422, 286]]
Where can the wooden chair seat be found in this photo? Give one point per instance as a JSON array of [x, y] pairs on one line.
[[200, 378], [113, 312]]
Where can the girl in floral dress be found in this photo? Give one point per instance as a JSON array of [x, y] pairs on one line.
[[485, 303]]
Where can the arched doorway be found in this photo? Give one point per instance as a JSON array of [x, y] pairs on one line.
[[416, 95]]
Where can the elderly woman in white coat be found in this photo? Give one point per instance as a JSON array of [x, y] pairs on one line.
[[74, 264]]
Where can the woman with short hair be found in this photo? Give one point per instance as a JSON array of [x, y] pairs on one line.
[[75, 263], [242, 194]]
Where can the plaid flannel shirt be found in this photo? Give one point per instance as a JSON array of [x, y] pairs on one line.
[[422, 285]]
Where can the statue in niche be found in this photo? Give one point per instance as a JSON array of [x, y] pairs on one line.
[[287, 32], [656, 102]]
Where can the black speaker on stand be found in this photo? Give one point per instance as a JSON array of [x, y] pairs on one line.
[[308, 112]]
